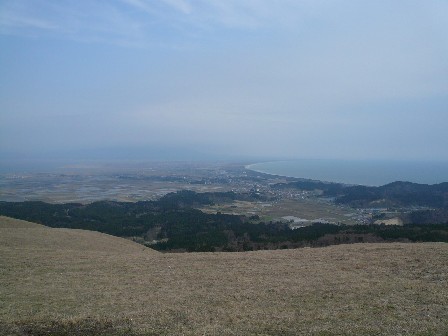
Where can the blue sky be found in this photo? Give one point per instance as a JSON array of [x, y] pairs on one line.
[[249, 79]]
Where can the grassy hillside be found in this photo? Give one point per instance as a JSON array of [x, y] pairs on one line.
[[73, 282]]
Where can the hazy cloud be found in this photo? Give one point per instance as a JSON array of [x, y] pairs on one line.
[[282, 78]]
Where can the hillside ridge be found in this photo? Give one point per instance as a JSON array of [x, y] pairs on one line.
[[28, 235], [74, 286]]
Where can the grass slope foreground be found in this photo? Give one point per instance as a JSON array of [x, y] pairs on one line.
[[74, 282]]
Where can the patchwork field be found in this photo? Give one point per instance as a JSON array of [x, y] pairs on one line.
[[74, 282], [310, 210]]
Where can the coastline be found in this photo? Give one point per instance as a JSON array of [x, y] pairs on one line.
[[355, 172], [249, 167]]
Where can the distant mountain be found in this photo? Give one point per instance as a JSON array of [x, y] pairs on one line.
[[396, 194]]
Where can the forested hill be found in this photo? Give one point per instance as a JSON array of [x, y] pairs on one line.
[[171, 224], [398, 194]]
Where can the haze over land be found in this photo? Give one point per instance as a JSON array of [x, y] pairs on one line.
[[179, 79]]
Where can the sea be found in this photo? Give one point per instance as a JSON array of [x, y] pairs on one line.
[[358, 172]]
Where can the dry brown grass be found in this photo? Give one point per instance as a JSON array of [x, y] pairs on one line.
[[71, 282]]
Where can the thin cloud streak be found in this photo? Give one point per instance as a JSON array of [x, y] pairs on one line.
[[180, 5], [181, 15], [11, 22], [140, 5]]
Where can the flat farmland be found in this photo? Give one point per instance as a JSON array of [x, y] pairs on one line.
[[87, 188], [310, 209], [133, 184]]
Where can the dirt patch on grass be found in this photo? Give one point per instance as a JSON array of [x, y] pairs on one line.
[[70, 327]]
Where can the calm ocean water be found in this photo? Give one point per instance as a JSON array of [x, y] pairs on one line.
[[373, 173]]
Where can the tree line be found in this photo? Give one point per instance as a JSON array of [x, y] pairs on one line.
[[173, 224]]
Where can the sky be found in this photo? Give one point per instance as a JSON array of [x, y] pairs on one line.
[[198, 79]]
